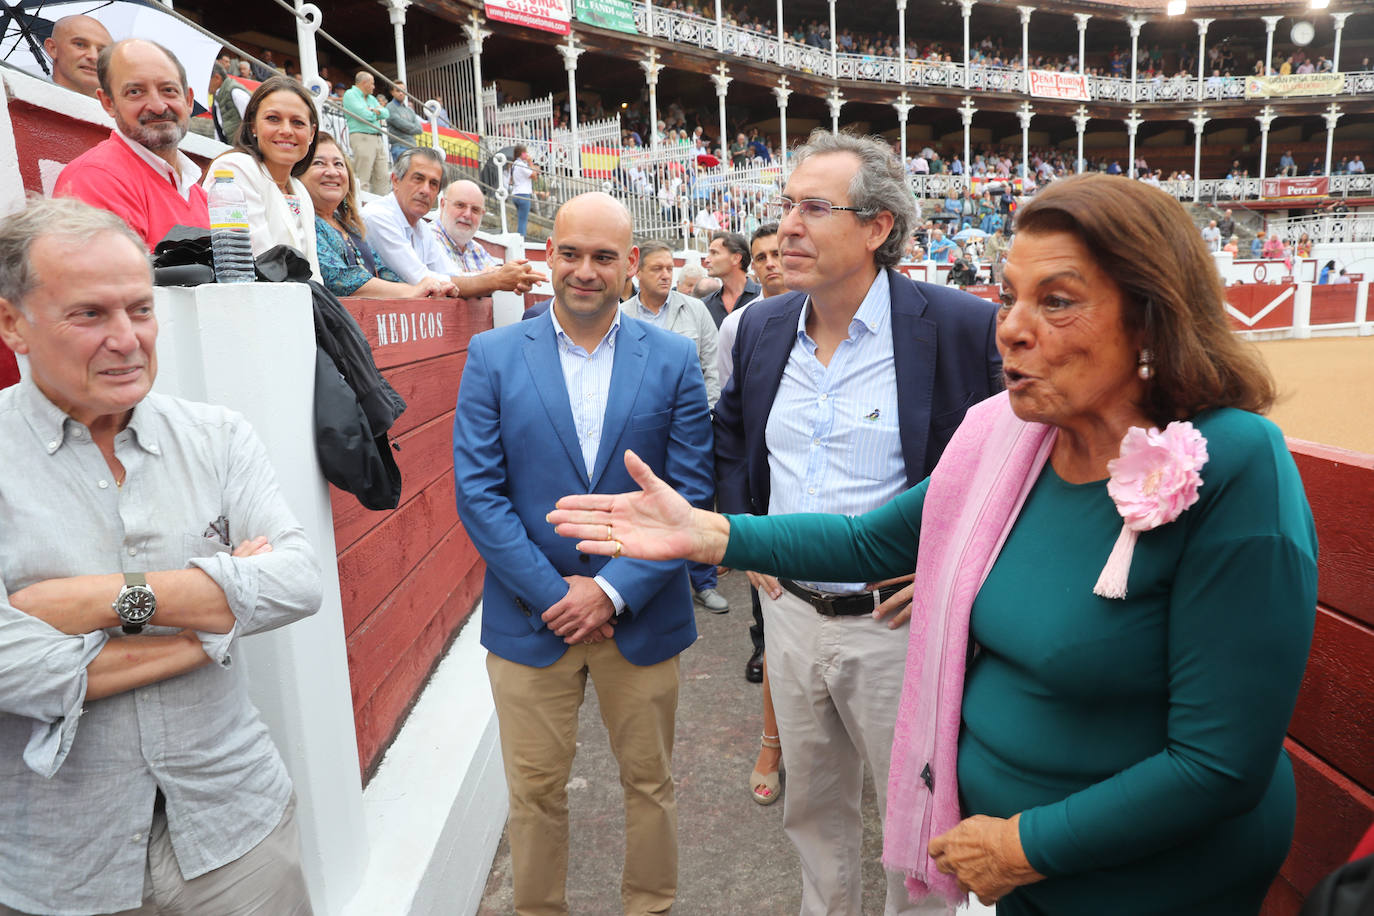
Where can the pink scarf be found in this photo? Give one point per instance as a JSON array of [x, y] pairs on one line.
[[975, 494]]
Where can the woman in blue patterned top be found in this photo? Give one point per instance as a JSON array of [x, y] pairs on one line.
[[349, 265]]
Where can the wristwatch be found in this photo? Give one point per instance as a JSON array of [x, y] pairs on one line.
[[136, 603]]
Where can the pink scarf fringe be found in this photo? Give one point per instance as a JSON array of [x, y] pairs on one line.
[[975, 494]]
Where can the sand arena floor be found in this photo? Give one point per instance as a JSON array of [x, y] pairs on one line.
[[1326, 389]]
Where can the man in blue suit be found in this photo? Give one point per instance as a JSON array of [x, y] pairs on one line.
[[844, 393], [548, 407]]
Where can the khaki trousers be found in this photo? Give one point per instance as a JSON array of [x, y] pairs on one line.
[[537, 710], [370, 162], [836, 683], [265, 881]]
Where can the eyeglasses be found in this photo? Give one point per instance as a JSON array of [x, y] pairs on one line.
[[812, 208]]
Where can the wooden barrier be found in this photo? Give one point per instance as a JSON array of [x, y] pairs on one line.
[[1332, 731], [408, 577], [1260, 306], [1334, 304]]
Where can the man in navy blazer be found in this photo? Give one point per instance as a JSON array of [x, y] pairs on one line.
[[548, 407], [844, 393]]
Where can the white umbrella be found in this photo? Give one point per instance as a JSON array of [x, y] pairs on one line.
[[27, 22]]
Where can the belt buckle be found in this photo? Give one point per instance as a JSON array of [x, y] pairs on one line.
[[823, 605]]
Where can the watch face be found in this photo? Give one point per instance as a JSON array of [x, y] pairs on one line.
[[136, 604]]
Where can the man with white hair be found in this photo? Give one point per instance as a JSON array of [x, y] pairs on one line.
[[460, 216], [144, 535]]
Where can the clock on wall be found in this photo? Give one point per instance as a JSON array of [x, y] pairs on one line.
[[1302, 33]]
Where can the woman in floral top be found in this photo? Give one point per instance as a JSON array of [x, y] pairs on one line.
[[348, 263]]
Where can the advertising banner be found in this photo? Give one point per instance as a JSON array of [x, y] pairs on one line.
[[1051, 84], [547, 15], [1295, 188], [607, 14], [1293, 85]]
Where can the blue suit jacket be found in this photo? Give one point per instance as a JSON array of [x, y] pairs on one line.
[[945, 351], [515, 452]]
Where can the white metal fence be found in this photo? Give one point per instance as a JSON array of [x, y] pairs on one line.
[[447, 75]]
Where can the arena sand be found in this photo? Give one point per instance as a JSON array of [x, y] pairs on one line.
[[1326, 389]]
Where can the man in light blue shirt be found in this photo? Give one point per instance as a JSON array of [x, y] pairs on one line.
[[843, 394], [548, 407]]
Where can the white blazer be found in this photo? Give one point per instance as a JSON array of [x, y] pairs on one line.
[[269, 217]]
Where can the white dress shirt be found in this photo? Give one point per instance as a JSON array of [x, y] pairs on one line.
[[412, 251], [587, 376]]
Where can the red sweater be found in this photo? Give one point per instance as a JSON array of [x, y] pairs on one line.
[[112, 177]]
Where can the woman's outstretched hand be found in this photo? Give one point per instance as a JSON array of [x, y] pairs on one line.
[[652, 524]]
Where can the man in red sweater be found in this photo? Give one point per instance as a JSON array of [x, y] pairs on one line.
[[140, 173]]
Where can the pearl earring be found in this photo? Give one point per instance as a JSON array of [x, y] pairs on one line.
[[1143, 367]]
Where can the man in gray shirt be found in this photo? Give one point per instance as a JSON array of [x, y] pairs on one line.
[[402, 122], [143, 535]]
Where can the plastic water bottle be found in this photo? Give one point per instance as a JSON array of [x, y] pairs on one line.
[[229, 237]]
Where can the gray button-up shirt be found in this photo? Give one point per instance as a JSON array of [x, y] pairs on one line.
[[79, 778], [686, 316]]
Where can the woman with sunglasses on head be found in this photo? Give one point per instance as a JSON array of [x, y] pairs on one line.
[[275, 145]]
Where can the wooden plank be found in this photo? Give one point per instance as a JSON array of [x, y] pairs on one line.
[[429, 388], [378, 721], [1334, 718], [1333, 304], [1333, 813], [1283, 899], [1340, 489], [425, 453], [1251, 299], [371, 568], [385, 636], [402, 331]]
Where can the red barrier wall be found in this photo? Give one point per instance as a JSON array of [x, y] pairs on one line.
[[409, 577], [1332, 730], [1252, 300], [1334, 304]]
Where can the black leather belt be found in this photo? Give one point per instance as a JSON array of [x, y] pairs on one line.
[[828, 605]]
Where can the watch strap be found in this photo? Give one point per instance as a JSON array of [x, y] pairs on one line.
[[135, 578]]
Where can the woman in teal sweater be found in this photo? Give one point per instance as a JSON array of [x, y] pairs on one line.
[[1117, 734]]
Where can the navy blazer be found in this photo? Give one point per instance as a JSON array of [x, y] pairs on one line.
[[945, 350], [515, 452]]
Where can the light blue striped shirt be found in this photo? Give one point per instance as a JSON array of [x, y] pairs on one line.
[[587, 376], [834, 444]]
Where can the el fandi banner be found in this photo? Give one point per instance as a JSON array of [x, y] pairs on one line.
[[617, 15], [547, 15]]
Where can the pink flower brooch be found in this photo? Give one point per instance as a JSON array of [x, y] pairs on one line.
[[1154, 479]]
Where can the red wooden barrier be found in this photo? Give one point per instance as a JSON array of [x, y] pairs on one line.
[[1334, 304], [409, 577], [1332, 730], [1256, 306]]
